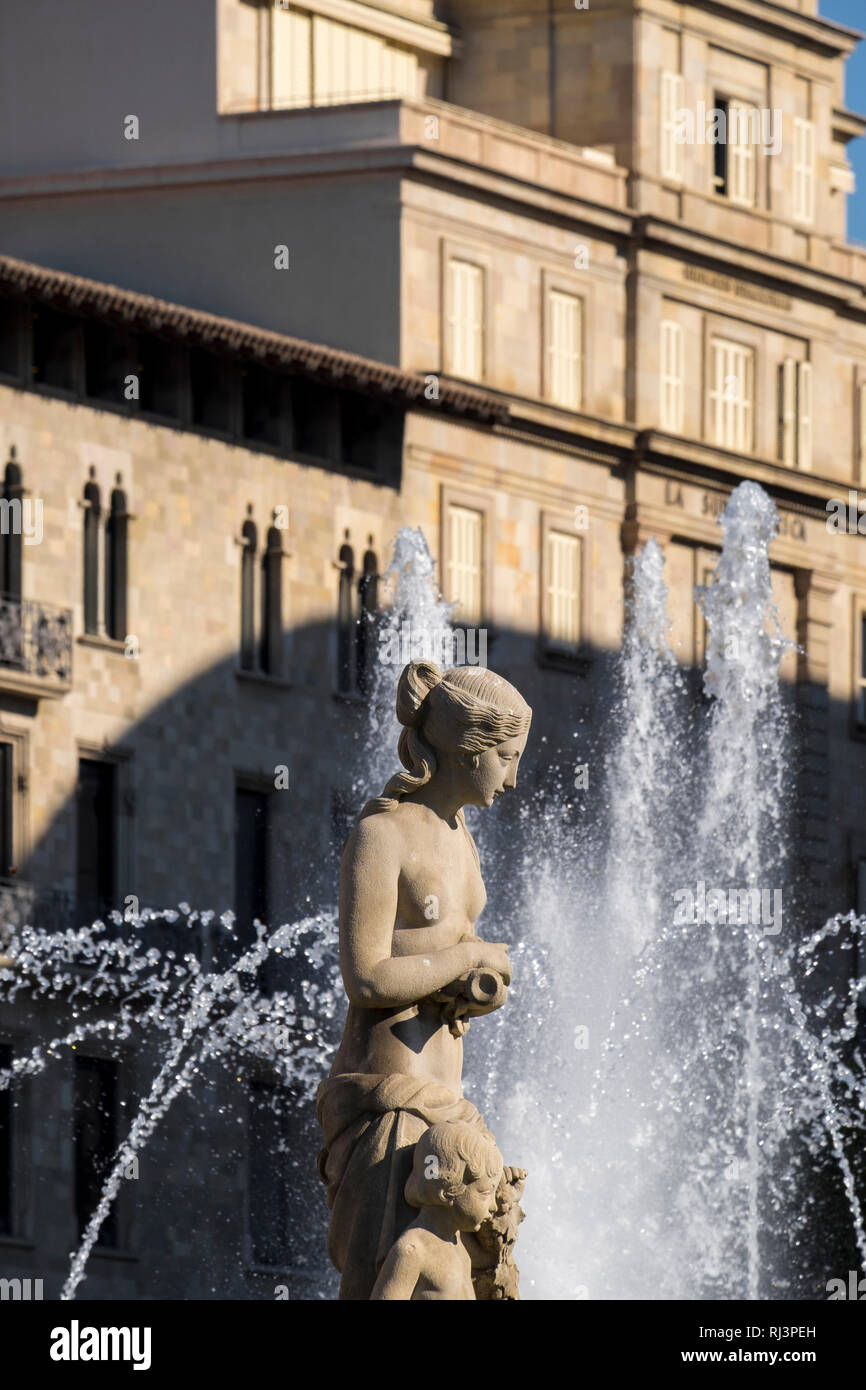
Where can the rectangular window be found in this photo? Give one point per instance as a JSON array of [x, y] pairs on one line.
[[162, 372], [861, 672], [861, 427], [96, 869], [671, 150], [795, 413], [465, 566], [56, 349], [11, 315], [563, 592], [564, 349], [731, 399], [317, 61], [110, 355], [465, 327], [362, 429], [271, 1196], [211, 380], [263, 402], [672, 377], [251, 861], [95, 1139], [316, 418], [6, 1152], [804, 170]]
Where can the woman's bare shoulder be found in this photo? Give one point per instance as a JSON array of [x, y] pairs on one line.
[[378, 833]]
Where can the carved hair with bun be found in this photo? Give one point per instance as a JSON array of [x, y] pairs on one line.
[[464, 710]]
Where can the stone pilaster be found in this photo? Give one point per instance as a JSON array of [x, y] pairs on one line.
[[815, 592]]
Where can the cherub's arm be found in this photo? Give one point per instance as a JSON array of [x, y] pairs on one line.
[[399, 1274]]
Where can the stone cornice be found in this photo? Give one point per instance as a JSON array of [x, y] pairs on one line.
[[847, 125], [739, 261], [428, 34], [808, 31], [699, 460]]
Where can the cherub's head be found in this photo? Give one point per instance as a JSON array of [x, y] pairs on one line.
[[456, 1166]]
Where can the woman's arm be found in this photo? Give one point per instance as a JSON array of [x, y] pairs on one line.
[[369, 878]]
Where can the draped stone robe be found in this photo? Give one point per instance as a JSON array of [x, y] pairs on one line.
[[371, 1125]]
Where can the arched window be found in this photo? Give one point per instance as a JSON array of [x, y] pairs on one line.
[[248, 598], [368, 603], [92, 513], [272, 604], [11, 529], [345, 618], [116, 564]]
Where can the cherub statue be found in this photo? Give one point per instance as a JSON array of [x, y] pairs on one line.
[[455, 1177]]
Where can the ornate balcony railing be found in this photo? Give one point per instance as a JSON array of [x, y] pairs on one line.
[[35, 646], [22, 904]]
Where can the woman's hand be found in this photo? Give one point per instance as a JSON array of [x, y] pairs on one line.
[[492, 955]]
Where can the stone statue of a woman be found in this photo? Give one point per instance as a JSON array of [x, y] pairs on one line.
[[413, 968]]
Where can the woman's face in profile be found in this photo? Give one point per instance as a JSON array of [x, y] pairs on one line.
[[496, 771]]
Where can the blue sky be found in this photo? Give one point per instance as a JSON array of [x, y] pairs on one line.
[[853, 13]]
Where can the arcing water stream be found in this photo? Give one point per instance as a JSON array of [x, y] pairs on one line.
[[681, 1087]]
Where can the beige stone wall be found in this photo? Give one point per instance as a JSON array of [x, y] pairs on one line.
[[504, 69], [520, 255]]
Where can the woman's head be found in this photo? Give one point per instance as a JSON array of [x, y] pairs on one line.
[[456, 1165], [468, 719]]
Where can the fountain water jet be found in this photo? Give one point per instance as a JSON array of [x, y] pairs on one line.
[[680, 1137]]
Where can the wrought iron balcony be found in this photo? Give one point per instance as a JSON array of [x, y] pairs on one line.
[[35, 647]]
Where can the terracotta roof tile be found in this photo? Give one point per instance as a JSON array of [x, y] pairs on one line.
[[75, 294]]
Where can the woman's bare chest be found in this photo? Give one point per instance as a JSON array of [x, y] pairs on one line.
[[440, 884]]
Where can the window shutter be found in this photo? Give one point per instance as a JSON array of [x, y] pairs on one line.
[[465, 319], [745, 370], [465, 563], [804, 170], [564, 349], [788, 411], [742, 165], [563, 590], [671, 102], [804, 415], [291, 57], [319, 61], [732, 395], [672, 377]]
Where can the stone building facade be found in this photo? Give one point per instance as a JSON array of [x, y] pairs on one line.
[[278, 279]]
